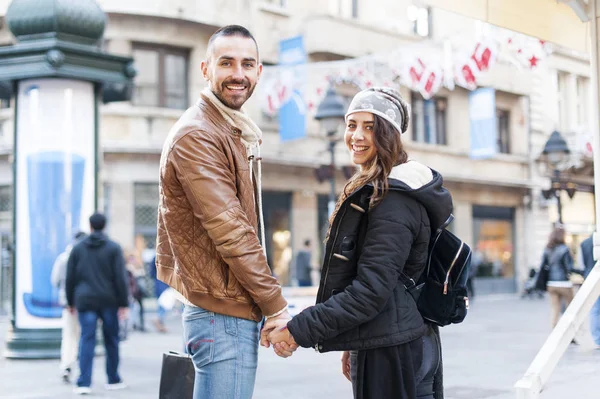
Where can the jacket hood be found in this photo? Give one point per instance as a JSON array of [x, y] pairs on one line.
[[96, 239], [426, 186]]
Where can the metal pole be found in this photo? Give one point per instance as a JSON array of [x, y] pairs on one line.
[[556, 188], [332, 196], [559, 204]]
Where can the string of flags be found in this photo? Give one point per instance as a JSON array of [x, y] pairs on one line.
[[422, 67]]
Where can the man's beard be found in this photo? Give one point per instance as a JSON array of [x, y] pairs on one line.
[[234, 101]]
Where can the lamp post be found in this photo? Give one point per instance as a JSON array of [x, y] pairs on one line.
[[58, 74], [555, 154], [330, 114]]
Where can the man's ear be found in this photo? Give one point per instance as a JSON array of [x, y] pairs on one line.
[[260, 68], [204, 69]]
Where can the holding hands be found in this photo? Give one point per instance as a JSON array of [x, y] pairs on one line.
[[276, 333]]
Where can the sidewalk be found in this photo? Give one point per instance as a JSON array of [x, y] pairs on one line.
[[483, 358]]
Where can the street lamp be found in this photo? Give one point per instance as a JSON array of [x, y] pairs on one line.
[[57, 73], [330, 114], [555, 155]]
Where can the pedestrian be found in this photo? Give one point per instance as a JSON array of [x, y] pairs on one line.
[[379, 236], [586, 261], [70, 325], [559, 262], [159, 289], [96, 288], [137, 276], [208, 245], [303, 265]]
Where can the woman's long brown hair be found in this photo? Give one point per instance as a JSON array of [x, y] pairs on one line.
[[557, 237], [389, 152]]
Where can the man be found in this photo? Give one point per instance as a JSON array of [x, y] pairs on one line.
[[70, 324], [586, 259], [96, 287], [303, 267], [208, 248]]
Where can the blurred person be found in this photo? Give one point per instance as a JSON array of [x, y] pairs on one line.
[[379, 236], [70, 325], [137, 275], [557, 257], [96, 287], [159, 289], [303, 265], [586, 262], [208, 246]]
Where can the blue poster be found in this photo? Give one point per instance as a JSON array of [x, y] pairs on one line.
[[484, 130], [292, 114]]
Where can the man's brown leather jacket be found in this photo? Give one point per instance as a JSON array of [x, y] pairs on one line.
[[207, 247]]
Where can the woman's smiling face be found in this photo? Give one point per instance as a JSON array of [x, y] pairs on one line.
[[359, 137]]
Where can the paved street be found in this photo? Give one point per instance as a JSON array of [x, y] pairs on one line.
[[483, 359]]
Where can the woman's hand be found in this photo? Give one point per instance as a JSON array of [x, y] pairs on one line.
[[346, 365]]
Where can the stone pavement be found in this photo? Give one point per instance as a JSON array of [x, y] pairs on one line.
[[483, 358]]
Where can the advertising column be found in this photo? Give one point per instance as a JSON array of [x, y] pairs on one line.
[[55, 188]]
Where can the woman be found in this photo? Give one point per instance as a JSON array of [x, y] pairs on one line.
[[379, 235], [559, 261]]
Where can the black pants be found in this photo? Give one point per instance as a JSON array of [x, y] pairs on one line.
[[140, 301], [404, 371]]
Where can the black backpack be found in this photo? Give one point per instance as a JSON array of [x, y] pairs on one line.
[[441, 291]]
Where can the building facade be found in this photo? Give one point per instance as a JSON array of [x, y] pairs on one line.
[[499, 208]]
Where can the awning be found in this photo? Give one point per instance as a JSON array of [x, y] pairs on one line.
[[545, 19]]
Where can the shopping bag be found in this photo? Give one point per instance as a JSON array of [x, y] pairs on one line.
[[176, 377]]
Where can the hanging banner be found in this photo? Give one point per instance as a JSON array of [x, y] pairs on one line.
[[292, 110], [484, 130], [55, 188]]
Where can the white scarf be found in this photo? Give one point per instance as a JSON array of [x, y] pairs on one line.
[[252, 138]]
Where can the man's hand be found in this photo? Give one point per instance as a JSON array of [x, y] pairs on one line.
[[346, 365], [72, 310], [270, 324], [123, 313]]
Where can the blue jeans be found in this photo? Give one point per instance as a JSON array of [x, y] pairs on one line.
[[161, 313], [87, 344], [224, 351], [595, 322]]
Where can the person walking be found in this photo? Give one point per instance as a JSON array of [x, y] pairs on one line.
[[303, 265], [378, 237], [586, 260], [96, 288], [210, 210], [70, 325], [559, 262], [137, 277], [159, 288]]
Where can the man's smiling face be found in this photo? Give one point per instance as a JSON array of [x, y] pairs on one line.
[[232, 69]]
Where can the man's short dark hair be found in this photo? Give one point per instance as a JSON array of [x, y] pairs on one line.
[[232, 30], [306, 243], [97, 221]]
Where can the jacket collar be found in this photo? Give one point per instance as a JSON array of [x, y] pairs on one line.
[[215, 116]]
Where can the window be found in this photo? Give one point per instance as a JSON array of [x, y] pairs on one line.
[[280, 3], [162, 76], [493, 236], [420, 19], [581, 100], [344, 8], [563, 107], [145, 199], [429, 119], [278, 233], [6, 199], [503, 125]]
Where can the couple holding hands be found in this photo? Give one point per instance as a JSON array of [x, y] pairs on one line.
[[208, 247]]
